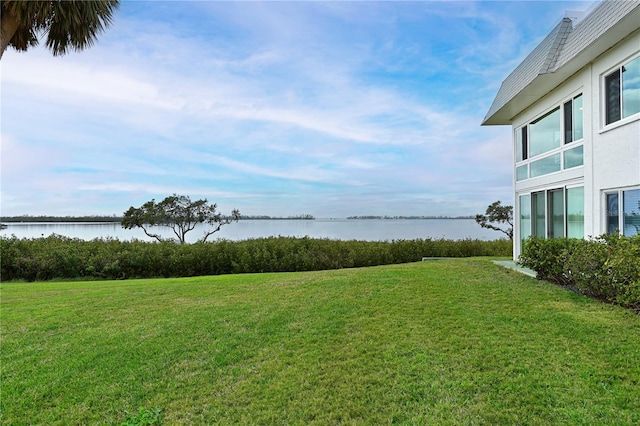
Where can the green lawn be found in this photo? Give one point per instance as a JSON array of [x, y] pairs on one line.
[[458, 341]]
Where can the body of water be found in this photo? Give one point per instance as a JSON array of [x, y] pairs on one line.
[[337, 229]]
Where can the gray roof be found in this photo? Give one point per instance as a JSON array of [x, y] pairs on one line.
[[571, 45]]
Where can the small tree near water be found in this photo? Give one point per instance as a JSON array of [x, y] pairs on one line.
[[497, 214], [178, 213]]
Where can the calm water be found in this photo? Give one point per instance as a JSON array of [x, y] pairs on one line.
[[338, 229]]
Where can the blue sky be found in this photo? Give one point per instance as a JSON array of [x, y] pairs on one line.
[[275, 108]]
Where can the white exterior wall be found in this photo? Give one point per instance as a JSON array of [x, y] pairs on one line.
[[616, 147], [611, 153]]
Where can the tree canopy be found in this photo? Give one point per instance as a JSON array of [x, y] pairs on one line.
[[178, 213], [496, 213], [65, 25]]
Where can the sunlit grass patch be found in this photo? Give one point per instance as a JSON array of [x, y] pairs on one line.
[[454, 341]]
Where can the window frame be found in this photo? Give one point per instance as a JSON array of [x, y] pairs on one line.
[[544, 196], [619, 193], [618, 69], [522, 138]]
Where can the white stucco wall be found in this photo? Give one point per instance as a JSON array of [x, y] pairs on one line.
[[616, 147]]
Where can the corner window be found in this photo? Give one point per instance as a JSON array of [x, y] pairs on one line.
[[522, 147], [623, 212], [552, 142], [622, 92], [522, 173]]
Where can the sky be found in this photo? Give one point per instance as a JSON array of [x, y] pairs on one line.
[[333, 109]]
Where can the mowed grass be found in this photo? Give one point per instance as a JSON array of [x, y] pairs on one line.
[[458, 341]]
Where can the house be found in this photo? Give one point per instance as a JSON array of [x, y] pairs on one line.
[[574, 108]]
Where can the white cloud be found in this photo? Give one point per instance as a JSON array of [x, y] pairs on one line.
[[354, 103]]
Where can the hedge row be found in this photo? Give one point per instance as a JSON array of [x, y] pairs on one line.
[[606, 267], [58, 257]]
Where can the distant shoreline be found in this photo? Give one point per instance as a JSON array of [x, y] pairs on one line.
[[117, 219], [408, 217]]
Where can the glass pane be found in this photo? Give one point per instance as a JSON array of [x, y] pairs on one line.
[[578, 120], [518, 145], [525, 217], [522, 173], [612, 96], [556, 213], [544, 133], [573, 157], [568, 122], [631, 88], [575, 212], [612, 213], [546, 165], [631, 215], [539, 222]]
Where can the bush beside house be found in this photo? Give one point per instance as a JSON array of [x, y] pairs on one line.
[[606, 267]]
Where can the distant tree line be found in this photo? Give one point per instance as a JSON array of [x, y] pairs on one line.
[[409, 217], [29, 218], [265, 217], [114, 218]]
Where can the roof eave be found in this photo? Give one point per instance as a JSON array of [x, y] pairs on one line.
[[544, 83]]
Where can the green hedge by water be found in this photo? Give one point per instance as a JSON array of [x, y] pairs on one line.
[[58, 257]]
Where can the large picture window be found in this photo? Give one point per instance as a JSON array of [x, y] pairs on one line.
[[623, 212], [622, 92], [544, 133]]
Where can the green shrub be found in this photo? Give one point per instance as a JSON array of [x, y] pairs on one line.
[[58, 257], [548, 257], [606, 267]]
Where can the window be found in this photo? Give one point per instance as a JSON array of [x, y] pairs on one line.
[[538, 207], [622, 92], [575, 212], [522, 148], [522, 173], [556, 213], [544, 133], [553, 213], [627, 223], [525, 217], [574, 157], [613, 222], [548, 144], [573, 119], [545, 165]]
